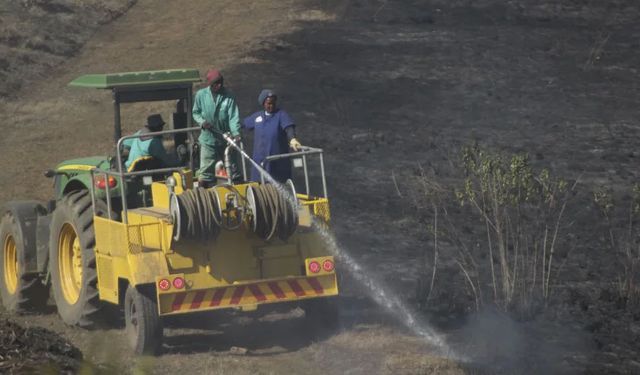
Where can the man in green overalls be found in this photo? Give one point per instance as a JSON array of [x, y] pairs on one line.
[[215, 110]]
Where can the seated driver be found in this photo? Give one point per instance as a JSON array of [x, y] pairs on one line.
[[147, 147]]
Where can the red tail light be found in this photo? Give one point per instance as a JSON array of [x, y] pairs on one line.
[[314, 267], [178, 283], [164, 284], [327, 265], [101, 182]]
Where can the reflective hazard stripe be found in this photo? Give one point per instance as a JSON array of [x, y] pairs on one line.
[[177, 302], [257, 293], [316, 286], [296, 288], [217, 297], [248, 294], [276, 290], [237, 294], [197, 299]]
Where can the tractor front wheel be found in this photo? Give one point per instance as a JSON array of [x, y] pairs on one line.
[[19, 291], [72, 261], [143, 325]]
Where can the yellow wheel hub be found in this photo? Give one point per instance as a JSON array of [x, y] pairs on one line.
[[10, 264], [70, 263]]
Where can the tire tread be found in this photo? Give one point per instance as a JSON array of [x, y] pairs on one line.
[[79, 205]]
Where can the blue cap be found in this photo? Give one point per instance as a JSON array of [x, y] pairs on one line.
[[264, 94]]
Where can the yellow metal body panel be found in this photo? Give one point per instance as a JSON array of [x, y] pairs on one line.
[[319, 206], [160, 191], [160, 194], [238, 267], [131, 252]]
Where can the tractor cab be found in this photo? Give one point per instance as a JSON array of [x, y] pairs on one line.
[[178, 138], [150, 86]]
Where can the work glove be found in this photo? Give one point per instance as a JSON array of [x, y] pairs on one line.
[[295, 145], [237, 139]]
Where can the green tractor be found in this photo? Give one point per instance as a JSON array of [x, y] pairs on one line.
[[147, 239], [26, 226]]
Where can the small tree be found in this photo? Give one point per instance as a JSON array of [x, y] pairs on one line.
[[520, 212]]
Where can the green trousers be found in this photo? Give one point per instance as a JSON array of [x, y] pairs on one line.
[[209, 156]]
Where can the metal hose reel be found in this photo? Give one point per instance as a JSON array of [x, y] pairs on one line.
[[200, 214], [272, 212], [196, 214]]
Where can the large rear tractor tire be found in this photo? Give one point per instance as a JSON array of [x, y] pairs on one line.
[[72, 260], [20, 292], [143, 325]]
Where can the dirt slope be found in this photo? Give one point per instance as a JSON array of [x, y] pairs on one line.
[[36, 35]]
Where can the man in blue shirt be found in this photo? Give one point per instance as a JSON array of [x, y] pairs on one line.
[[274, 133], [147, 147]]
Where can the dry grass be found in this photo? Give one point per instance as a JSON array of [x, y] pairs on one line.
[[623, 237]]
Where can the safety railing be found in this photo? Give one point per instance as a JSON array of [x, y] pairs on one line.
[[123, 174], [303, 154]]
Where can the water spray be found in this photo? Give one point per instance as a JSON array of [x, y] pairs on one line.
[[380, 294]]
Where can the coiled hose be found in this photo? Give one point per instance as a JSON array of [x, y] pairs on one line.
[[196, 214], [273, 214]]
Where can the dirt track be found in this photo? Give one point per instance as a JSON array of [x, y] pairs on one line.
[[382, 87]]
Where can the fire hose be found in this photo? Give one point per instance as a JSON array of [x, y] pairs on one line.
[[273, 215], [198, 213]]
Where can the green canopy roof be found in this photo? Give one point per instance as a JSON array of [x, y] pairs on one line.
[[137, 79]]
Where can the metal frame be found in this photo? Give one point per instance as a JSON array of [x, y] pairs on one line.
[[231, 145], [121, 95], [148, 94], [306, 151]]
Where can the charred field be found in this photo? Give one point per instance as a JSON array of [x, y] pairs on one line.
[[393, 91], [399, 87]]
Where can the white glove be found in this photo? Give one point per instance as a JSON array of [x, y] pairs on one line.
[[295, 145]]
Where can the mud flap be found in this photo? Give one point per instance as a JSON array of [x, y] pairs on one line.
[[27, 214]]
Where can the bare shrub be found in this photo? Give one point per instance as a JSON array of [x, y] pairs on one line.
[[623, 237], [504, 235]]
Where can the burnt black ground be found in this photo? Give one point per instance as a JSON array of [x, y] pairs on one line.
[[394, 85], [35, 350]]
